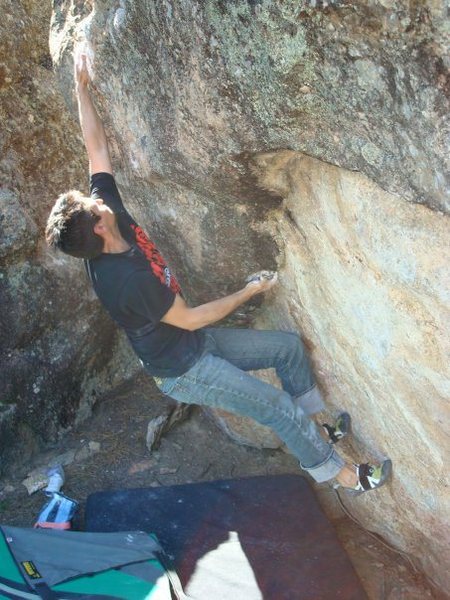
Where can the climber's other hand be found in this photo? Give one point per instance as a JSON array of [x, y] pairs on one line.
[[81, 72]]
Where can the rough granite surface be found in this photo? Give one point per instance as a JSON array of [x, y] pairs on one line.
[[312, 138], [365, 277], [258, 134], [57, 348]]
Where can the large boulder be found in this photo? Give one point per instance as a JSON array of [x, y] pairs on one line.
[[364, 276], [57, 348], [216, 109]]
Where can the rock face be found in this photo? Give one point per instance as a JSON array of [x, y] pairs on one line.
[[56, 345], [365, 277], [216, 109]]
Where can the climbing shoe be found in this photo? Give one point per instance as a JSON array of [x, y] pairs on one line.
[[371, 477], [339, 430]]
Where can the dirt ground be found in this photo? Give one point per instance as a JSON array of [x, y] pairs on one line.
[[193, 450]]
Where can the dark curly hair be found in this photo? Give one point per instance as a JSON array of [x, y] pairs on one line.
[[70, 227]]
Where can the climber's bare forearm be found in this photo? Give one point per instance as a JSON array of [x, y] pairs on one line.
[[211, 312], [181, 315], [93, 132], [91, 125]]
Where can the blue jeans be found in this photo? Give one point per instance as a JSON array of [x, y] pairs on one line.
[[219, 380]]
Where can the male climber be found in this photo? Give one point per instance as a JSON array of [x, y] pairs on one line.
[[190, 361]]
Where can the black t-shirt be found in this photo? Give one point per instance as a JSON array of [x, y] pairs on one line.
[[137, 289]]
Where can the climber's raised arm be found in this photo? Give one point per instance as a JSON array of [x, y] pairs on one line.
[[91, 125], [181, 315]]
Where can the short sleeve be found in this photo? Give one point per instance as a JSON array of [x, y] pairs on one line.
[[145, 295], [103, 185]]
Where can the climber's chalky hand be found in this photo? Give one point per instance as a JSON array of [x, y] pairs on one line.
[[81, 72], [262, 281]]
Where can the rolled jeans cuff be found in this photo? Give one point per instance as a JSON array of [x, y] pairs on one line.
[[310, 402], [328, 469]]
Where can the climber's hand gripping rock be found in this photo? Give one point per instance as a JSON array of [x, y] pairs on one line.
[[262, 281]]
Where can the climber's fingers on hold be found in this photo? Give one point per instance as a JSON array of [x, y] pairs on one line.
[[81, 70]]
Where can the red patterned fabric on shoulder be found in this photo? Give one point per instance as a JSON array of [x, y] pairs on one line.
[[156, 261]]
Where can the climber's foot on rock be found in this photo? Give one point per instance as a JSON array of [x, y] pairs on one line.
[[364, 477], [339, 430]]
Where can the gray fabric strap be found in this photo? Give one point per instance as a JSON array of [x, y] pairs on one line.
[[44, 592], [9, 591]]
